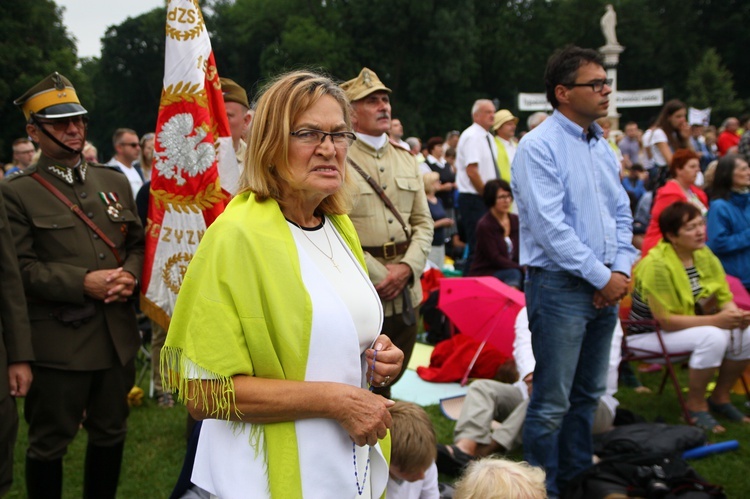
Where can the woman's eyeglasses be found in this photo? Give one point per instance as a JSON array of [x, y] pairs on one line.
[[310, 137]]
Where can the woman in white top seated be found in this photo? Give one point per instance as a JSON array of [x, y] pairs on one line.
[[275, 335]]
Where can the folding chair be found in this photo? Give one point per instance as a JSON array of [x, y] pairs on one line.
[[742, 299], [658, 356]]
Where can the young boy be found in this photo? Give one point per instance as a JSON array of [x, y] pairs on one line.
[[413, 474]]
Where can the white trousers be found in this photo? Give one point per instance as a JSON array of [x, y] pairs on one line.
[[710, 345]]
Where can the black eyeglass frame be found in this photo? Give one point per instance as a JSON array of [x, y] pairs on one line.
[[592, 84]]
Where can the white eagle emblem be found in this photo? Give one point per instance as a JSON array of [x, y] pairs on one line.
[[184, 150]]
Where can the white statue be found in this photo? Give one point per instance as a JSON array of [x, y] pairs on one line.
[[608, 23]]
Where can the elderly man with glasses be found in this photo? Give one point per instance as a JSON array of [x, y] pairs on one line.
[[391, 214], [80, 250]]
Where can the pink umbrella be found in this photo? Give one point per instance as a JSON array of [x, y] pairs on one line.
[[484, 308], [741, 296]]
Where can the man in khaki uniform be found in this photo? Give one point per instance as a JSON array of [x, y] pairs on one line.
[[79, 290], [15, 349], [238, 115], [395, 261]]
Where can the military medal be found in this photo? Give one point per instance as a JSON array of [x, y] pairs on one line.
[[112, 202]]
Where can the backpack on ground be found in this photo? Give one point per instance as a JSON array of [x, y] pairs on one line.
[[648, 438], [653, 476]]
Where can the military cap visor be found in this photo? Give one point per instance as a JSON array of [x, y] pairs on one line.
[[53, 97]]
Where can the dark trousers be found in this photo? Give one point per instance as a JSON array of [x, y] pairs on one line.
[[404, 337], [470, 209], [8, 432], [58, 399]]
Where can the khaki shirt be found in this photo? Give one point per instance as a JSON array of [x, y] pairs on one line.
[[55, 251], [397, 172]]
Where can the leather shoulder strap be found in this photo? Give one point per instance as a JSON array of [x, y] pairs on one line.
[[77, 210], [383, 196]]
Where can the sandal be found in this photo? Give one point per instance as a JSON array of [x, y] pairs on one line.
[[165, 400], [727, 410], [705, 421], [452, 463]]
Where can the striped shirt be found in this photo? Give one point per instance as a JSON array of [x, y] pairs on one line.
[[574, 213], [640, 311]]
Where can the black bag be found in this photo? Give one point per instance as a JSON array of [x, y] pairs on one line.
[[648, 476], [648, 438], [435, 323]]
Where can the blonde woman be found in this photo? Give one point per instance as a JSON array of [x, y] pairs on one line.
[[275, 334]]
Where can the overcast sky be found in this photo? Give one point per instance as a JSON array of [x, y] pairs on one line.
[[87, 20]]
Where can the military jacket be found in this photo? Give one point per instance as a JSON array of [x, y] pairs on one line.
[[55, 251], [15, 335], [397, 172]]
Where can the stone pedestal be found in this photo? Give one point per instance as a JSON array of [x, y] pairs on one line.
[[611, 55]]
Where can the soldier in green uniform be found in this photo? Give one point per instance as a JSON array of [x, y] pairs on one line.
[[15, 349], [79, 279]]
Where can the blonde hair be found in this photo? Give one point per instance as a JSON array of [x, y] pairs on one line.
[[283, 100], [491, 478], [413, 441], [429, 179]]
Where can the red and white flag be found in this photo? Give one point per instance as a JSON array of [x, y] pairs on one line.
[[195, 169]]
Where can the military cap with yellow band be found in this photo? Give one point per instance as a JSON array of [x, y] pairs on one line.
[[53, 97], [233, 92], [363, 85]]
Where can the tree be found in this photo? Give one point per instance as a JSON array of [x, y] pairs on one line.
[[711, 84], [34, 44], [128, 78]]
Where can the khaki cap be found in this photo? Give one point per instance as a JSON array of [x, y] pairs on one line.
[[502, 117], [233, 92], [53, 97], [363, 85]]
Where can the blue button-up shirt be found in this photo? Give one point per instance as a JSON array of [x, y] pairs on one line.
[[574, 213]]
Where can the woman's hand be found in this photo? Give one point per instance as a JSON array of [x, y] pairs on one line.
[[387, 362], [364, 415], [729, 318]]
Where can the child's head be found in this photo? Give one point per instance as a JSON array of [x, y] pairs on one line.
[[413, 442], [491, 478]]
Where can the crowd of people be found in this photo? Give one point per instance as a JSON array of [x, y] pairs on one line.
[[318, 257]]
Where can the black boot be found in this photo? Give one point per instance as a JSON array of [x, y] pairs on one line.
[[102, 471], [43, 478]]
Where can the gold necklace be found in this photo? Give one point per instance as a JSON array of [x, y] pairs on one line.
[[330, 247]]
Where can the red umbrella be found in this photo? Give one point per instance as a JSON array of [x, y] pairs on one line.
[[484, 308]]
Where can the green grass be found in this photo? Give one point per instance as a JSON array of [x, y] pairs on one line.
[[155, 446], [728, 469]]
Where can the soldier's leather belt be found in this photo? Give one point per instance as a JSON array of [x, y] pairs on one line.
[[388, 251]]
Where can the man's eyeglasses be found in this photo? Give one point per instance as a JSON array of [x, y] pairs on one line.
[[130, 144], [596, 85], [62, 124], [310, 137]]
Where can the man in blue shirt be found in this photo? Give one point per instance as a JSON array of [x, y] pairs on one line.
[[575, 239]]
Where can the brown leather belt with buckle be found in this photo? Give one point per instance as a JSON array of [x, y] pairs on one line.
[[388, 251]]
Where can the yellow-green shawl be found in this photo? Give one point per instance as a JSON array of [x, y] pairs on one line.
[[243, 309], [661, 280]]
